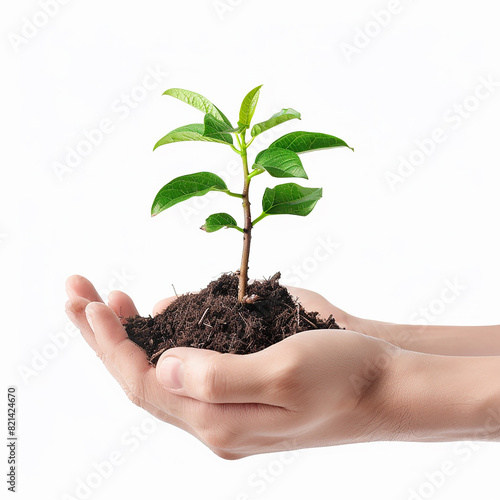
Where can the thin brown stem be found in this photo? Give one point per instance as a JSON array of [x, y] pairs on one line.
[[247, 227]]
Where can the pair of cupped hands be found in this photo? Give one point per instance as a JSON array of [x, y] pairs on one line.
[[315, 388]]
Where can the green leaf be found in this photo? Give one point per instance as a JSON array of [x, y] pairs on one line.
[[300, 142], [283, 116], [248, 107], [194, 132], [185, 187], [217, 129], [199, 102], [290, 199], [280, 163], [217, 221]]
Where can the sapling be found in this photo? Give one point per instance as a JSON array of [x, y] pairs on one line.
[[281, 160]]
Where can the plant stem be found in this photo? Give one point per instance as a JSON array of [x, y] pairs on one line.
[[256, 172], [235, 195], [259, 218], [247, 227]]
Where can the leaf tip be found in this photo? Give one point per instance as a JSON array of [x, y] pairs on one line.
[[155, 209]]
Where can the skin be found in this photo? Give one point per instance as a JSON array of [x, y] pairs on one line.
[[373, 381], [431, 339]]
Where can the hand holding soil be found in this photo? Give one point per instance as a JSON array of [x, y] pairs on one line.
[[314, 388], [251, 368]]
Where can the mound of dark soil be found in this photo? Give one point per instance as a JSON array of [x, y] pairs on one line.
[[214, 319]]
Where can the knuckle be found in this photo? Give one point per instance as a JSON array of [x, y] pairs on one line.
[[137, 388], [103, 357], [288, 375], [107, 358], [136, 400], [214, 383]]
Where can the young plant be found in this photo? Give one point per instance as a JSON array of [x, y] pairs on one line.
[[281, 159]]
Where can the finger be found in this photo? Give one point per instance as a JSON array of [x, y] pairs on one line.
[[75, 309], [213, 377], [78, 286], [122, 305], [76, 312], [114, 344], [312, 301], [123, 357], [228, 427], [162, 305]]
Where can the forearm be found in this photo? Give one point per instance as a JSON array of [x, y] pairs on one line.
[[442, 398], [434, 339]]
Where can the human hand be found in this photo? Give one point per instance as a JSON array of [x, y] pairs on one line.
[[315, 388], [312, 301], [424, 338]]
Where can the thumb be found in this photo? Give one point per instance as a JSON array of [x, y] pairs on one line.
[[215, 377]]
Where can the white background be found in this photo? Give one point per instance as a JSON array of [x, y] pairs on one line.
[[395, 250]]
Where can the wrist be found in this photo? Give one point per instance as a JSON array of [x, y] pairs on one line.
[[443, 398]]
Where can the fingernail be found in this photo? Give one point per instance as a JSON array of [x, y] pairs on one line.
[[170, 373], [88, 313]]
